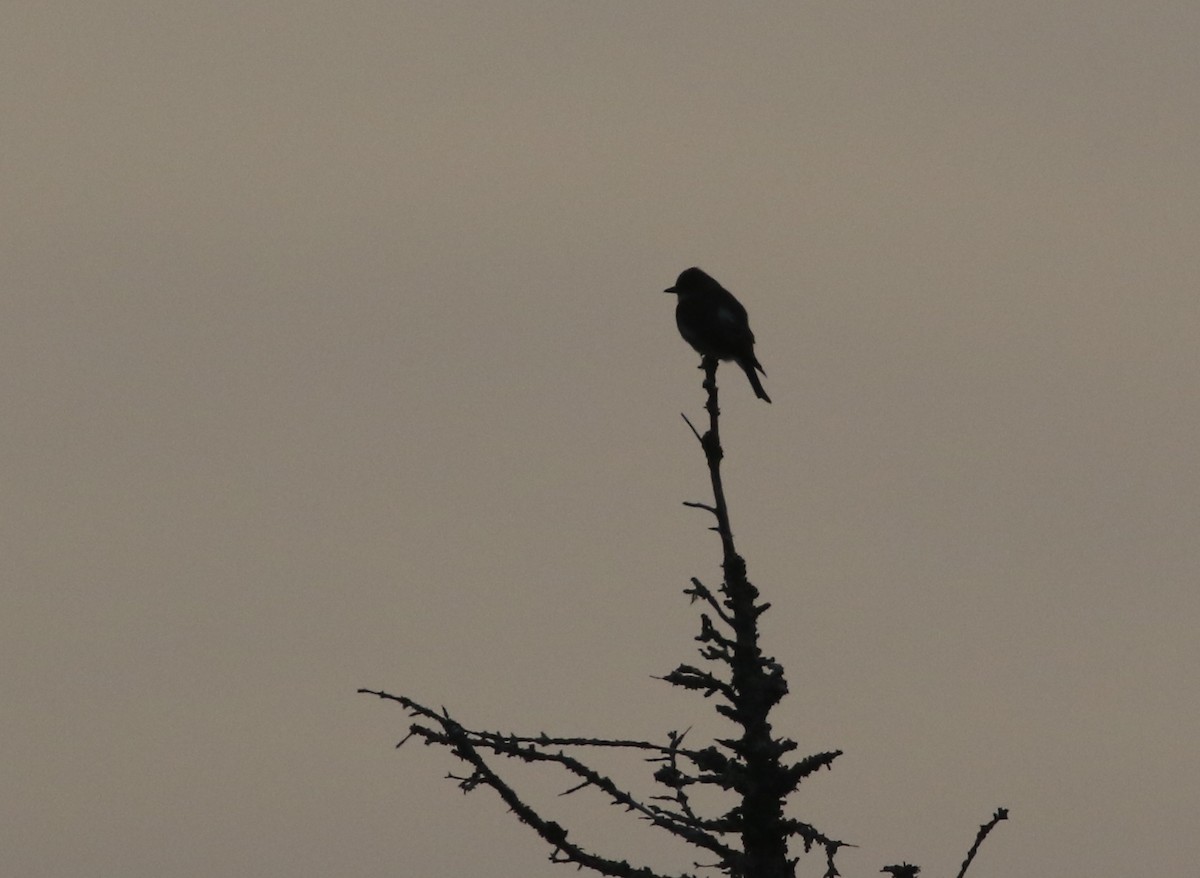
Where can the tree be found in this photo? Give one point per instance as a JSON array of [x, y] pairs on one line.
[[754, 837]]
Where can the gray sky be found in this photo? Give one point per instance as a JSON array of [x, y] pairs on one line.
[[332, 354]]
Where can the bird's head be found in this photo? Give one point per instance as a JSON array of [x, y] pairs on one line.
[[691, 280]]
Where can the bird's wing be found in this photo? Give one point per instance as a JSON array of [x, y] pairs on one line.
[[733, 321]]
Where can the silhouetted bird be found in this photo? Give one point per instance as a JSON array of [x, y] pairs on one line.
[[712, 321]]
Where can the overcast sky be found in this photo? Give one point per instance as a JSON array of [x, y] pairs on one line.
[[333, 353]]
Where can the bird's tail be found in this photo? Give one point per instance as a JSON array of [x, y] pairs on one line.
[[748, 368]]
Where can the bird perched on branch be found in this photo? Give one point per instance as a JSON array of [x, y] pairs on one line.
[[712, 321]]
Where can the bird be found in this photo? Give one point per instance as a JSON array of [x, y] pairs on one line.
[[713, 322]]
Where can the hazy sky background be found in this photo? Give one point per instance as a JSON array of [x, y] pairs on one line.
[[332, 354]]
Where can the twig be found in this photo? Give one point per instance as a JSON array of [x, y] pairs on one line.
[[984, 830]]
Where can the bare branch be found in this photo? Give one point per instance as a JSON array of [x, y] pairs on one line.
[[701, 591], [694, 505], [688, 677], [984, 830], [464, 743]]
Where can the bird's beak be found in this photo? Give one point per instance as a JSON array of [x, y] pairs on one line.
[[669, 290]]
